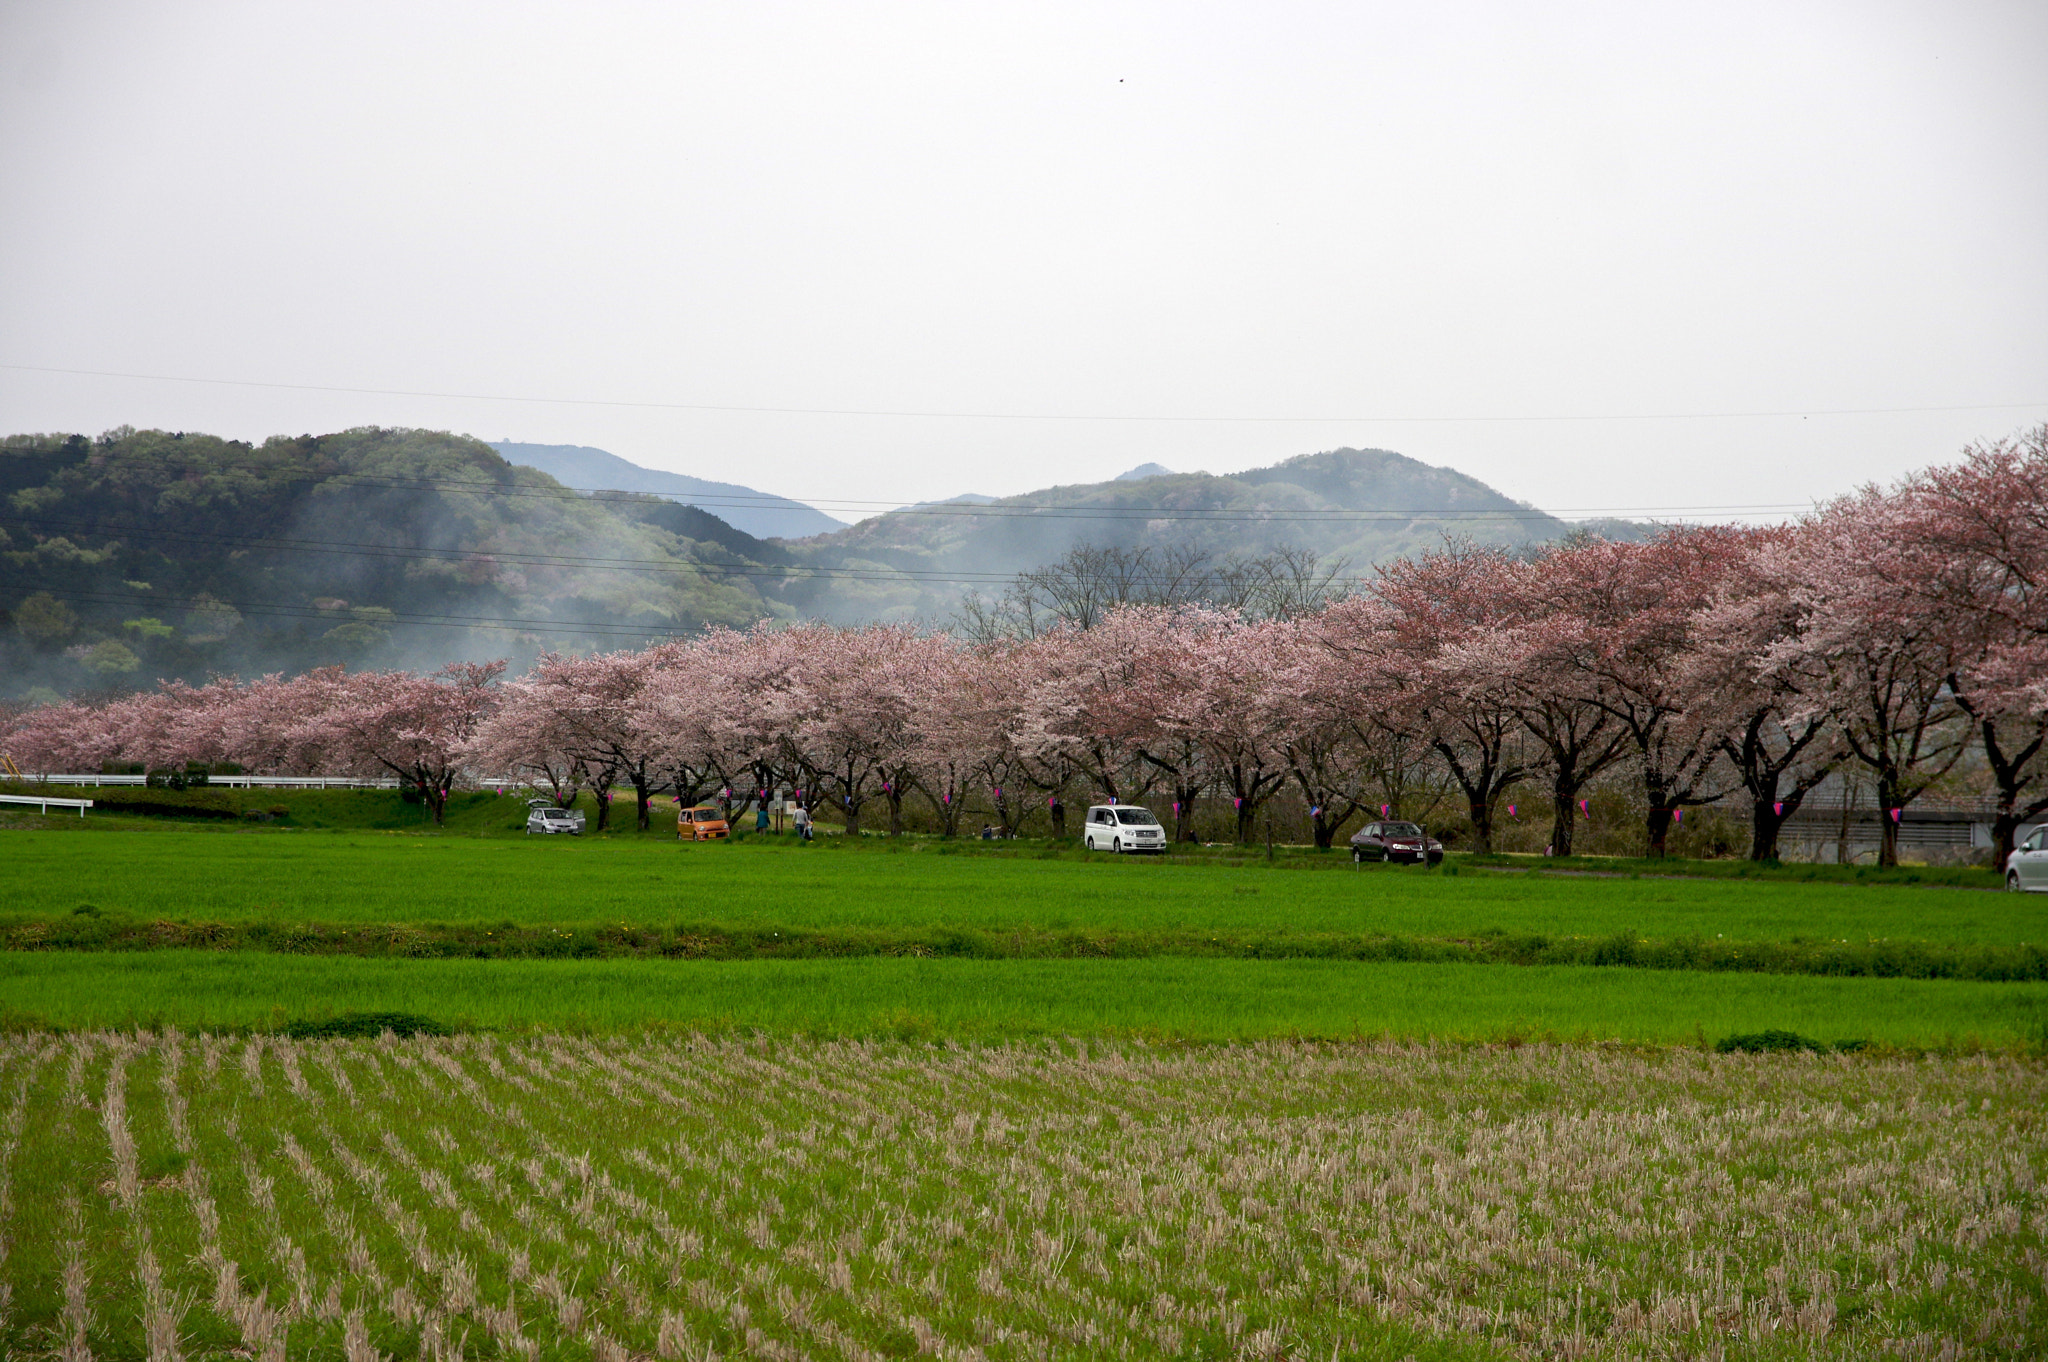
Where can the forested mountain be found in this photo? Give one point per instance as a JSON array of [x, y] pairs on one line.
[[757, 513], [145, 554], [1360, 506]]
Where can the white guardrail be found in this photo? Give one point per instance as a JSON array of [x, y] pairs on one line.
[[243, 782], [79, 804], [266, 782]]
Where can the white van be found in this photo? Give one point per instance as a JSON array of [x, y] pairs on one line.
[[1122, 827]]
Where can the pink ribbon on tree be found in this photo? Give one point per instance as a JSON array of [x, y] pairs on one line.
[[1386, 811], [1678, 815], [1511, 811], [1583, 803], [1896, 813], [1779, 808]]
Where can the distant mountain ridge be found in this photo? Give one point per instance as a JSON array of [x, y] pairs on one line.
[[1363, 506], [760, 514]]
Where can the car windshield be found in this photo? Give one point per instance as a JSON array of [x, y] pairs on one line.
[[1137, 817], [1399, 830]]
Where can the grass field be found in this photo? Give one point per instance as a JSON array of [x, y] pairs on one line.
[[352, 878], [1206, 1000], [1037, 1106], [563, 1198]]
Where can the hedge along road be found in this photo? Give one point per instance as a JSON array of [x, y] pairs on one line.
[[368, 879], [1192, 999]]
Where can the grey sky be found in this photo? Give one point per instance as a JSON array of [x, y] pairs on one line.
[[1255, 210]]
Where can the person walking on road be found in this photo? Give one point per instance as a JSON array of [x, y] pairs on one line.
[[802, 819]]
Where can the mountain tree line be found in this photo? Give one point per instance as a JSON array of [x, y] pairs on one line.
[[1898, 631]]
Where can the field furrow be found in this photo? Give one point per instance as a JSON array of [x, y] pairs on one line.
[[564, 1197]]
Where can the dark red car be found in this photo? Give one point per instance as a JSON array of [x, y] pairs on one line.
[[1395, 842]]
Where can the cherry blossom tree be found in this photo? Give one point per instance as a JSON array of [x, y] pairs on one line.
[[844, 709], [526, 738], [1080, 709], [1616, 620], [1973, 549], [1779, 745], [1321, 700], [1410, 637], [1866, 653], [417, 728], [1236, 712]]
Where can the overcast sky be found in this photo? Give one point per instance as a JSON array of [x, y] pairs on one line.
[[1355, 212]]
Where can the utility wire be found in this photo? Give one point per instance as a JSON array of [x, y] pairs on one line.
[[1116, 417]]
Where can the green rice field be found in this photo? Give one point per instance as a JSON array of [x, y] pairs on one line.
[[232, 877], [1193, 999]]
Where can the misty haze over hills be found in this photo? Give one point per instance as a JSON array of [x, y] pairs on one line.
[[147, 554]]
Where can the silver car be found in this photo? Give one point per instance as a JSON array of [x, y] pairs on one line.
[[2027, 868], [553, 820]]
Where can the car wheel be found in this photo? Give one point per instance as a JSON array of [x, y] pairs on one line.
[[2012, 881], [1116, 845]]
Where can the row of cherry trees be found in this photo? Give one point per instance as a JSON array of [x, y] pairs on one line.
[[1901, 631]]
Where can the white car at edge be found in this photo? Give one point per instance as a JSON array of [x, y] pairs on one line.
[[1122, 827], [2026, 870]]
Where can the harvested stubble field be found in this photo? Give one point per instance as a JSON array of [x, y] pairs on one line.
[[560, 1197]]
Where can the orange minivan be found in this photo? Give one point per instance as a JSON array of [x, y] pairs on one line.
[[704, 823]]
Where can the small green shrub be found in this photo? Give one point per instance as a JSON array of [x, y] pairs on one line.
[[1768, 1042], [365, 1024]]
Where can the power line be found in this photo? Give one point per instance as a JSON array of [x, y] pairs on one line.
[[1107, 417]]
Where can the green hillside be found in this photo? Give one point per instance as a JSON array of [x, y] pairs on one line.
[[1361, 505], [149, 553]]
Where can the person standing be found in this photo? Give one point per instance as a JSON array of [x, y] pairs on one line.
[[802, 819]]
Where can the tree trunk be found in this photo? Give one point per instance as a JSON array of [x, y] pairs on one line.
[[435, 792], [1564, 799], [1764, 824], [1058, 813], [1659, 829], [1481, 808], [1323, 829], [1887, 826], [852, 808], [895, 812], [643, 795]]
